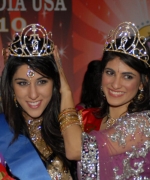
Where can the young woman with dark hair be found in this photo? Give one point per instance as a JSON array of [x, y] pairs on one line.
[[136, 105], [120, 149], [30, 137]]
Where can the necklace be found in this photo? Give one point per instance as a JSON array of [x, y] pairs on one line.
[[110, 122], [34, 127]]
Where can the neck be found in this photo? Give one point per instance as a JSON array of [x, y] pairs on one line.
[[27, 117], [117, 112]]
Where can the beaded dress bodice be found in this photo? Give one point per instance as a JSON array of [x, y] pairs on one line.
[[55, 168]]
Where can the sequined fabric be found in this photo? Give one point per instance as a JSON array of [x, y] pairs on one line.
[[124, 149], [55, 168], [133, 164], [89, 160], [128, 125]]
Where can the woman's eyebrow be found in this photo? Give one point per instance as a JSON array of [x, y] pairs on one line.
[[128, 73], [108, 69], [21, 79]]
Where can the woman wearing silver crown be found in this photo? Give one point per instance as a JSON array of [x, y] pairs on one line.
[[30, 137], [121, 148]]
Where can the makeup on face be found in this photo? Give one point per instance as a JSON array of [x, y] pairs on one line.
[[33, 91], [120, 83]]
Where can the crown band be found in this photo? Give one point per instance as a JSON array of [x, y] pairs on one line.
[[126, 39], [32, 41]]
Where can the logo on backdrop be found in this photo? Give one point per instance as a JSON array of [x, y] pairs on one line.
[[19, 6]]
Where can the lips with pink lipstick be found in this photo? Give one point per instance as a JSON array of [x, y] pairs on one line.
[[34, 105], [116, 93]]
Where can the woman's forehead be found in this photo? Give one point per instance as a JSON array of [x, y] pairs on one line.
[[119, 65]]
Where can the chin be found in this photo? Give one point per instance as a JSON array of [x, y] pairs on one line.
[[34, 115], [115, 104]]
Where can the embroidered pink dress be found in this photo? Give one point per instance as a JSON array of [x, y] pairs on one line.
[[119, 153]]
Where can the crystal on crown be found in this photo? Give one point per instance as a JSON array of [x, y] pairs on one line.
[[118, 41], [32, 41]]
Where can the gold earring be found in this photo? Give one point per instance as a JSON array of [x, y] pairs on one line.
[[15, 100], [141, 96]]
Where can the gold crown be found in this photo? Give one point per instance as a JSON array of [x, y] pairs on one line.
[[32, 41], [126, 39]]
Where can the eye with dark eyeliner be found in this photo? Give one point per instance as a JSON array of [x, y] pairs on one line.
[[42, 81], [109, 72], [23, 83], [128, 76]]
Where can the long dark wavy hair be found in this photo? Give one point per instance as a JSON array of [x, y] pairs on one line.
[[144, 71], [90, 93], [50, 130]]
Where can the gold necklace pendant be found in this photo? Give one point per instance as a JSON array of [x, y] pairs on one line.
[[110, 122]]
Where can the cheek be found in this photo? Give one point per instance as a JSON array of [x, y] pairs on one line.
[[132, 87], [105, 80], [19, 93], [48, 91]]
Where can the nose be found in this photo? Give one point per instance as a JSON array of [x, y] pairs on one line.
[[33, 91], [116, 83]]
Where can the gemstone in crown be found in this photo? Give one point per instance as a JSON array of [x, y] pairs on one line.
[[126, 39], [32, 41]]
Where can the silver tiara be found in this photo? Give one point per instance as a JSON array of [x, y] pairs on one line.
[[32, 41], [126, 39]]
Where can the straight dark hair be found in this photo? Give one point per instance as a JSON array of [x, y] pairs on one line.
[[50, 130], [90, 93]]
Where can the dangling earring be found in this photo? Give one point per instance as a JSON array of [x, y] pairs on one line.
[[141, 96], [15, 100], [102, 92]]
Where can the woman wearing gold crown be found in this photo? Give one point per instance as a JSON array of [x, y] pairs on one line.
[[121, 148], [30, 137]]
